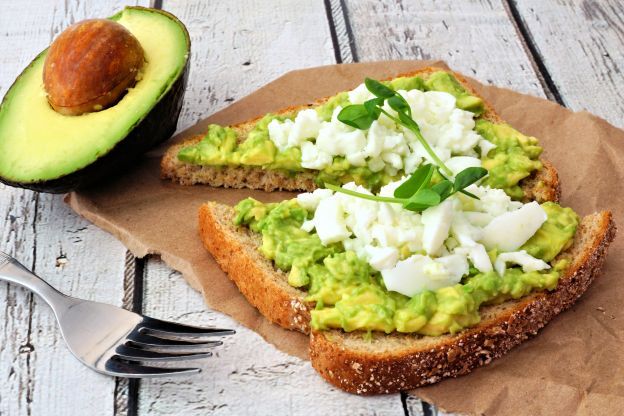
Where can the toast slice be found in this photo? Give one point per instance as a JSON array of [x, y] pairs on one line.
[[395, 362], [542, 185]]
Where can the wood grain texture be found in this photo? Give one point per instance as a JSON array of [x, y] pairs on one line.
[[581, 44], [412, 405], [231, 58], [344, 45], [17, 213], [38, 375], [246, 375], [473, 37], [81, 260], [237, 46]]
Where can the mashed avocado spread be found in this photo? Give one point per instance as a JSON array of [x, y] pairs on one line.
[[514, 158], [350, 295]]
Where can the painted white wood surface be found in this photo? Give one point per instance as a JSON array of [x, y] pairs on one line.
[[38, 375], [582, 47], [238, 46], [474, 37]]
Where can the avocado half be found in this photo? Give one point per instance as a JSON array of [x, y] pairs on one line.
[[43, 150]]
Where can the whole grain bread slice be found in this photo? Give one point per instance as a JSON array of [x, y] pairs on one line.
[[542, 185], [395, 362]]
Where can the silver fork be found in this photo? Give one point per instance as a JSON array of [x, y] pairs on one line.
[[112, 340]]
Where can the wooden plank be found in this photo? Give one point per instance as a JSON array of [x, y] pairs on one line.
[[580, 44], [237, 47], [17, 210], [38, 375], [476, 38], [246, 375], [84, 261], [344, 46]]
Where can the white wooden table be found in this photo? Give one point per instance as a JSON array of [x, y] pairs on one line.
[[568, 51]]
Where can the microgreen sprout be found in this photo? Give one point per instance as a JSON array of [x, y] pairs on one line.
[[361, 116], [418, 192]]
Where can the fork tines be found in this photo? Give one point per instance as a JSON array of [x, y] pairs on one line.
[[134, 370], [150, 343], [171, 330], [157, 340]]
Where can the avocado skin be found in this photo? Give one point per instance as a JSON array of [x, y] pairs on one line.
[[156, 127]]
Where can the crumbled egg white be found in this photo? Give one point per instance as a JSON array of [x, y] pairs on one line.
[[418, 273], [437, 221], [385, 145], [510, 230], [428, 250], [521, 258]]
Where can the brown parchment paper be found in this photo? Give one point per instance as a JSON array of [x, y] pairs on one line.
[[575, 364]]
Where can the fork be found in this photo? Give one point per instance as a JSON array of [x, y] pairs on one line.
[[112, 340]]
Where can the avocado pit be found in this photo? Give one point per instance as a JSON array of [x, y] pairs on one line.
[[90, 66]]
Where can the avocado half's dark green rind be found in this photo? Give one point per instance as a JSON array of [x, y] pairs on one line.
[[158, 125]]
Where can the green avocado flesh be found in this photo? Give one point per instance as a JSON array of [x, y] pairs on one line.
[[514, 158], [38, 144], [350, 295]]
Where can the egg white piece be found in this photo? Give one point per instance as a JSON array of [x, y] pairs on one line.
[[485, 146], [279, 131], [360, 94], [381, 258], [329, 221], [310, 200], [306, 125], [521, 258], [464, 231], [418, 273], [478, 256], [313, 158], [478, 219], [458, 163], [510, 230], [437, 222]]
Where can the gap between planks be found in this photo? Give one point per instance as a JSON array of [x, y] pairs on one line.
[[549, 87], [127, 390]]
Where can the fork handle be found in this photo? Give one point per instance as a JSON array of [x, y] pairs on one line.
[[15, 272]]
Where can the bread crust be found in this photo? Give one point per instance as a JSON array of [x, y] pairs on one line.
[[236, 251], [542, 185], [391, 363]]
